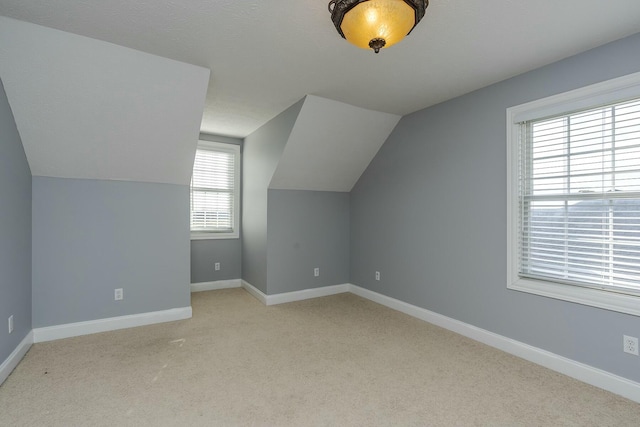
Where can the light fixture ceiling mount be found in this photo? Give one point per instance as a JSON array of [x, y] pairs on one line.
[[376, 23]]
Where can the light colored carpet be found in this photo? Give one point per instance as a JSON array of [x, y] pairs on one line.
[[334, 361]]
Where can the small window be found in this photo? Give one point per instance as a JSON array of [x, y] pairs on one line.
[[215, 191], [575, 196]]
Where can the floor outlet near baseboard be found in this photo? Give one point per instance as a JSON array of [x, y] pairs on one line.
[[118, 294], [10, 323]]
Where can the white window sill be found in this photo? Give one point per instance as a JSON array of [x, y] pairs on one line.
[[592, 297], [214, 236]]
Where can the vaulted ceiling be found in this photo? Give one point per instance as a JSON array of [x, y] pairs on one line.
[[265, 55]]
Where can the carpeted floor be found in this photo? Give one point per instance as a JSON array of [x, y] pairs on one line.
[[332, 361]]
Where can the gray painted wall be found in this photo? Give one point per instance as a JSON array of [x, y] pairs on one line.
[[92, 236], [261, 153], [441, 178], [307, 229], [228, 252], [204, 255], [15, 233]]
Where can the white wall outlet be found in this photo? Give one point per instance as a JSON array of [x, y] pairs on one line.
[[118, 294], [316, 272], [377, 275], [630, 344], [216, 266], [10, 323]]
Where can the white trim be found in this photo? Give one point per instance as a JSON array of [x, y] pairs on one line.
[[590, 96], [286, 297], [585, 373], [257, 293], [512, 198], [306, 294], [216, 285], [235, 150], [57, 332], [601, 93], [201, 235], [15, 357], [580, 371], [621, 303]]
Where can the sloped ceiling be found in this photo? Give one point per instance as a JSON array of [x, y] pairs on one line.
[[330, 146], [90, 109]]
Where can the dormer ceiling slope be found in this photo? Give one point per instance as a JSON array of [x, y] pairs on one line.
[[94, 110], [330, 146]]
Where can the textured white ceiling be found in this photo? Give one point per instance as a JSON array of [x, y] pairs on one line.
[[330, 145], [265, 55], [89, 109]]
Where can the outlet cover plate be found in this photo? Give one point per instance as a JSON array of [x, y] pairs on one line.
[[630, 344]]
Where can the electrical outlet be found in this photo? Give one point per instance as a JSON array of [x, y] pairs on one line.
[[630, 344], [316, 272], [10, 323], [118, 294], [377, 275], [217, 266]]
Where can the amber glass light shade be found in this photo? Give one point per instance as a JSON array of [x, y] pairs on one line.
[[388, 20], [376, 24]]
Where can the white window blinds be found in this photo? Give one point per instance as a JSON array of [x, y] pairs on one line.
[[579, 198], [213, 191]]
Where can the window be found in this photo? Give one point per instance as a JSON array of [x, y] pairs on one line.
[[215, 191], [574, 196]]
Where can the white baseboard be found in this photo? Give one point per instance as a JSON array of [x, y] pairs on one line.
[[585, 373], [68, 330], [295, 295], [257, 293], [306, 294], [216, 285], [15, 357], [580, 371]]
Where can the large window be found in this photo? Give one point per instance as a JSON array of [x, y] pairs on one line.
[[215, 191], [575, 196]]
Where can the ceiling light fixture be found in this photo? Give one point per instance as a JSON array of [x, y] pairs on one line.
[[376, 23]]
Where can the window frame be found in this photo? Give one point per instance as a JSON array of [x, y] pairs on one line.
[[235, 150], [609, 91]]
